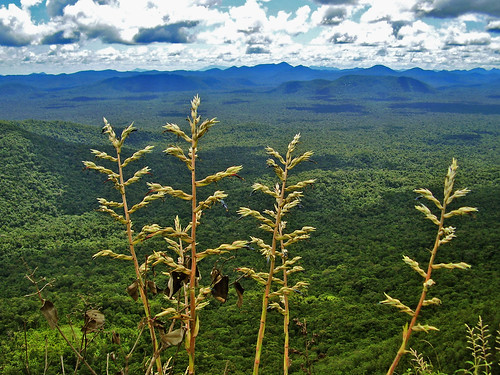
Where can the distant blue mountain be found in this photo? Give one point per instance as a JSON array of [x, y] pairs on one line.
[[360, 86], [259, 77]]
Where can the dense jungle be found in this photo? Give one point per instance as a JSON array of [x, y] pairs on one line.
[[376, 135]]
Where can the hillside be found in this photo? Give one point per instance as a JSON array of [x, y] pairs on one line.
[[375, 139], [149, 97], [360, 87]]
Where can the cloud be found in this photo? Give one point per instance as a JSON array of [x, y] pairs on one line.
[[455, 8], [493, 26], [456, 37], [342, 38], [60, 37], [419, 36], [256, 50], [209, 3], [16, 27], [327, 15], [173, 33], [339, 33], [29, 3], [56, 7], [333, 16], [336, 2], [10, 38], [284, 22], [399, 10], [249, 17], [106, 33]]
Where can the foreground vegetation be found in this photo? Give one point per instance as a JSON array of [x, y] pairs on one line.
[[361, 204]]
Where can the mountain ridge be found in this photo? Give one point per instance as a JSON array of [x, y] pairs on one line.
[[265, 75]]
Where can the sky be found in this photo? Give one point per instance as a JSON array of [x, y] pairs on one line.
[[65, 36]]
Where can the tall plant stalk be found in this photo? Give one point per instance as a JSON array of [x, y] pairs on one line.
[[443, 235], [286, 197], [286, 312], [267, 291], [187, 311], [109, 207]]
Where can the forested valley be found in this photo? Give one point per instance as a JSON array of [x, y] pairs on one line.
[[376, 136]]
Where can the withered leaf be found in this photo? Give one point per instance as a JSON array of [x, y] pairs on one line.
[[50, 313], [115, 338], [94, 319], [239, 292], [152, 287], [215, 275], [221, 288], [188, 265], [172, 338], [175, 282], [133, 290]]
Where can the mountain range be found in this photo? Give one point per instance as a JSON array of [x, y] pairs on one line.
[[282, 77]]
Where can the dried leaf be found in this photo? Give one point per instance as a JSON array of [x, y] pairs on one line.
[[173, 128], [239, 292], [276, 154], [224, 248], [172, 338], [427, 194], [94, 320], [168, 311], [220, 288], [133, 290], [49, 311], [152, 287], [115, 338], [175, 283]]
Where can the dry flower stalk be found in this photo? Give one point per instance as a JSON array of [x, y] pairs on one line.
[[444, 235], [286, 197], [184, 272], [478, 338], [118, 179]]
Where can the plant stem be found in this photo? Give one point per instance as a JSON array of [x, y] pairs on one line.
[[27, 363], [265, 298], [286, 317], [79, 356], [192, 279], [407, 333], [142, 290]]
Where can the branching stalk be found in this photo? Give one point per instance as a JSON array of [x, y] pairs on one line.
[[286, 197], [267, 291], [142, 289], [444, 235], [407, 333], [108, 207], [286, 315], [192, 276], [187, 265]]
